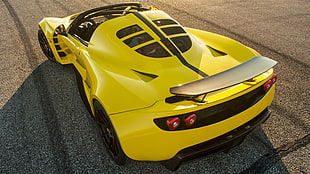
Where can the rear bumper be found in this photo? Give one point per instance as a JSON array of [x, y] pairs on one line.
[[221, 143], [142, 140]]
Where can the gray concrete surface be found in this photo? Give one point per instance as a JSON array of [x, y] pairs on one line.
[[45, 128]]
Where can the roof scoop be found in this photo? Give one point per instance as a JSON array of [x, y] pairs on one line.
[[238, 74]]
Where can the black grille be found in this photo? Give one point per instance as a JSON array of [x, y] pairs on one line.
[[217, 113]]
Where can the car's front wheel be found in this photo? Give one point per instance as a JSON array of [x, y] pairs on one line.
[[45, 46], [109, 135]]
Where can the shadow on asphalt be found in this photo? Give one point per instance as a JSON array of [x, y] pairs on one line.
[[45, 128]]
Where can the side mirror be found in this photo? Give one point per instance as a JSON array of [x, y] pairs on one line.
[[61, 30]]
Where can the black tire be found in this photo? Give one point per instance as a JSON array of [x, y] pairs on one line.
[[45, 46], [109, 135]]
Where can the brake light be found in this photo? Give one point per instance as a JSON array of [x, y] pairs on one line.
[[267, 85], [173, 123], [274, 78], [190, 120], [270, 82]]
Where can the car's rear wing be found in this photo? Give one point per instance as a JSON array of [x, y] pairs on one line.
[[238, 74]]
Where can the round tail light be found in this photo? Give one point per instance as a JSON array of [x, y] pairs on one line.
[[274, 78], [268, 85], [190, 120], [173, 123], [270, 82]]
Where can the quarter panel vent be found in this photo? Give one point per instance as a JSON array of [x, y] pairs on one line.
[[146, 77], [215, 52]]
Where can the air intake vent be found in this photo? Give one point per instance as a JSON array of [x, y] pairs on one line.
[[146, 77], [215, 52]]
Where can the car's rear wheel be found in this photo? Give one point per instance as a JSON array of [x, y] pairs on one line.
[[45, 46], [109, 135]]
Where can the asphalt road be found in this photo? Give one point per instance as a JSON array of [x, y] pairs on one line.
[[45, 128]]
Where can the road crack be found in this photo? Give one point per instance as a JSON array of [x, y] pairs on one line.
[[271, 158]]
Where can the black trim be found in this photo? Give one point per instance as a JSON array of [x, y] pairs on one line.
[[169, 45], [222, 143], [177, 98], [149, 24], [184, 62]]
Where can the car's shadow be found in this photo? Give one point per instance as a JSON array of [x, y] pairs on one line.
[[45, 128]]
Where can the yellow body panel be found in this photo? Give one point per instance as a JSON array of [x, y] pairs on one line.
[[110, 75]]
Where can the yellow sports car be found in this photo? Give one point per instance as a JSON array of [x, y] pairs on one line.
[[160, 91]]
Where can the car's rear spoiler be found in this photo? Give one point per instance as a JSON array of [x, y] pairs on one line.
[[238, 74]]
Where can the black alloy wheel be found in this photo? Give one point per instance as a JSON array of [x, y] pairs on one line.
[[109, 135], [45, 46]]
